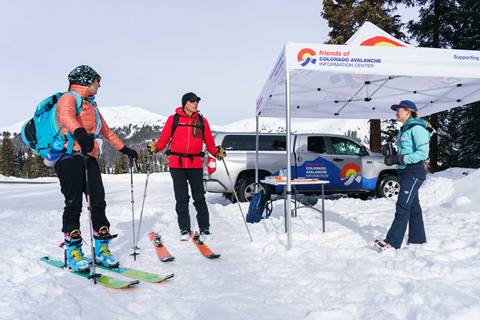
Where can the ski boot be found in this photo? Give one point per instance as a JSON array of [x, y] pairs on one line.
[[205, 235], [382, 245], [74, 258], [103, 256], [184, 235]]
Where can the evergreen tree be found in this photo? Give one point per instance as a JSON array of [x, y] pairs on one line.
[[121, 165], [389, 132], [432, 30], [27, 164], [469, 153], [19, 162], [101, 164], [450, 24], [450, 138], [466, 35], [39, 169], [7, 156], [346, 16]]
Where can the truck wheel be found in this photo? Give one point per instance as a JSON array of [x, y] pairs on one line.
[[246, 188], [388, 187]]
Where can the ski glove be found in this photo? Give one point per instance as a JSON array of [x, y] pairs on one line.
[[152, 147], [393, 159], [220, 154], [132, 154], [85, 140]]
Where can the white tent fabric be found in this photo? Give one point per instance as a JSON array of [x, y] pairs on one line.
[[371, 35], [364, 80]]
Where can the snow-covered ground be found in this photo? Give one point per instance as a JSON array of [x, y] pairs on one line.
[[332, 275]]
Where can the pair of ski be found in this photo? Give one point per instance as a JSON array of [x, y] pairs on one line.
[[165, 256], [112, 282]]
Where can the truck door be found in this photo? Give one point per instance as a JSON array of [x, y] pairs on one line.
[[310, 152], [345, 159]]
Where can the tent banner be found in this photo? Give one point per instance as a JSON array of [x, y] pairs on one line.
[[405, 61]]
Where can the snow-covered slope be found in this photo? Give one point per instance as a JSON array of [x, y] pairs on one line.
[[116, 117], [332, 275], [14, 128], [270, 125]]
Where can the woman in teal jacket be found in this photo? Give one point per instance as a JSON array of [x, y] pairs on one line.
[[413, 146]]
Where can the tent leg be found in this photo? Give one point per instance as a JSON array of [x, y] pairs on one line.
[[256, 152], [289, 167]]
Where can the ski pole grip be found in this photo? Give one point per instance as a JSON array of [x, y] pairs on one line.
[[133, 163], [136, 165]]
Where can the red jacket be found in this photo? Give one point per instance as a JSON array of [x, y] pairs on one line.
[[186, 140]]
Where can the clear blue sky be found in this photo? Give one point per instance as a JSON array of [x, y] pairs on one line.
[[150, 52]]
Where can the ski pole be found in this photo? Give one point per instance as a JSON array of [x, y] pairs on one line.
[[89, 207], [236, 197], [134, 246], [144, 196]]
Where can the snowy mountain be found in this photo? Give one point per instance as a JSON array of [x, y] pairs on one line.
[[122, 116], [116, 117], [277, 125], [14, 128]]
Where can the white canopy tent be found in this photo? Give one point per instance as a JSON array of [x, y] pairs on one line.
[[361, 80]]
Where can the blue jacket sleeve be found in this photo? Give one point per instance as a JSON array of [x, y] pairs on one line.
[[421, 141]]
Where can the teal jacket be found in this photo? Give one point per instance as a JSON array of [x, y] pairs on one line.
[[413, 141]]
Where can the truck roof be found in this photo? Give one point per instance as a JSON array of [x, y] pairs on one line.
[[280, 134]]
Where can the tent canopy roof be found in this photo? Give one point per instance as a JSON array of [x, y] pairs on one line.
[[365, 77]]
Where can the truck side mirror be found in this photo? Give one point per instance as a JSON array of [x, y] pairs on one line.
[[364, 151]]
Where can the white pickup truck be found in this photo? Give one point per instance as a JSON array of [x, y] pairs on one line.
[[349, 166]]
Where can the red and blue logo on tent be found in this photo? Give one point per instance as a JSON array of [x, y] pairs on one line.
[[306, 56]]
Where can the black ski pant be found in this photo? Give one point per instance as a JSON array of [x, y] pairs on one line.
[[181, 178], [71, 173]]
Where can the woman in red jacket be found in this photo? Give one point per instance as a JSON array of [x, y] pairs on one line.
[[184, 133]]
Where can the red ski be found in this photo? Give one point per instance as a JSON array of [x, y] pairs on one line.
[[203, 248], [160, 248]]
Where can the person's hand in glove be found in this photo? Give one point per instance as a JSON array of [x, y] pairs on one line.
[[220, 154], [85, 140], [152, 147], [393, 159], [130, 153]]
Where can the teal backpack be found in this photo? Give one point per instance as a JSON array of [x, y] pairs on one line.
[[41, 133]]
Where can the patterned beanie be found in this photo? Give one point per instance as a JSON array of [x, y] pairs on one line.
[[82, 75]]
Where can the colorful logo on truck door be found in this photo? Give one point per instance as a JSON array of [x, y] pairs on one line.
[[306, 56], [350, 172]]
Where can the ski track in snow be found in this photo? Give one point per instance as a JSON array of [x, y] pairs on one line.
[[332, 275]]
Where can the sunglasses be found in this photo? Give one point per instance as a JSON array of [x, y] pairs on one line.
[[194, 100]]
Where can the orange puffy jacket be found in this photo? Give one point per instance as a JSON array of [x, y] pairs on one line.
[[71, 121]]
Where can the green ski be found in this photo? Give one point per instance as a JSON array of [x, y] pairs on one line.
[[102, 279], [138, 274]]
